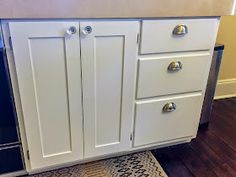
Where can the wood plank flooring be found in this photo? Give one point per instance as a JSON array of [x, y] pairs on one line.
[[212, 153]]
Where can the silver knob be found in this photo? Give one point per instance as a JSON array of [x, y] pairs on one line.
[[87, 30], [180, 30], [169, 107], [175, 66], [72, 30]]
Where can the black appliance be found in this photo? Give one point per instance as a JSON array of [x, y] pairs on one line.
[[211, 85], [10, 146]]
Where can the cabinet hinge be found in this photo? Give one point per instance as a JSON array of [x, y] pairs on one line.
[[10, 42], [131, 136], [138, 38], [28, 154]]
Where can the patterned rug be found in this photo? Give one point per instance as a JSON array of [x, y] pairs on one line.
[[141, 164]]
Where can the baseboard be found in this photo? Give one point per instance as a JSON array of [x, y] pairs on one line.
[[225, 89]]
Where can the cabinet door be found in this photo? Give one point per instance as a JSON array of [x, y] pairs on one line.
[[108, 54], [49, 76]]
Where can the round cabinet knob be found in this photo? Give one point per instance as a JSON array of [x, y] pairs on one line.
[[87, 30], [72, 30], [169, 107], [180, 30], [175, 66]]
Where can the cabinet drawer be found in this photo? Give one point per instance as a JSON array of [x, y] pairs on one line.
[[156, 78], [157, 35], [153, 125]]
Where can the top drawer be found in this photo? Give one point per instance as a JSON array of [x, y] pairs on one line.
[[158, 36]]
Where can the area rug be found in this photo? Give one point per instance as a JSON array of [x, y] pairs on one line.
[[141, 164]]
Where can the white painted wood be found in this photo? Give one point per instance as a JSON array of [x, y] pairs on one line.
[[133, 150], [154, 79], [109, 57], [157, 35], [48, 72], [152, 125]]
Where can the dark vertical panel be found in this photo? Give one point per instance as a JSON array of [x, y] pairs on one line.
[[8, 131]]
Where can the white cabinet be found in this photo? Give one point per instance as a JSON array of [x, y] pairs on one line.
[[48, 66], [171, 84], [87, 92], [49, 76], [109, 57]]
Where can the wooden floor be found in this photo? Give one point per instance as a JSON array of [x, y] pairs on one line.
[[212, 153]]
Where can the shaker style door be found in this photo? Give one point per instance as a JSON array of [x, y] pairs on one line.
[[47, 60], [108, 53]]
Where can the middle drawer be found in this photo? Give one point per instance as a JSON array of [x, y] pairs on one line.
[[173, 74]]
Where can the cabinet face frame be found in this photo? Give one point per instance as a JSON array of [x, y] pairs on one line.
[[59, 140]]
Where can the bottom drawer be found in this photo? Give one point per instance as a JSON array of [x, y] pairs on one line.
[[166, 119]]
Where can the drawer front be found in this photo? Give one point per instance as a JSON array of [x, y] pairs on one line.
[[172, 74], [193, 34], [153, 125]]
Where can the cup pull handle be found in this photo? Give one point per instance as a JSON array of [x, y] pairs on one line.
[[169, 107], [175, 66], [180, 30]]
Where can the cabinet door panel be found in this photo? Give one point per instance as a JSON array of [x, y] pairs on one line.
[[108, 67], [48, 70]]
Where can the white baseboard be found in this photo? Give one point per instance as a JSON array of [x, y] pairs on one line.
[[225, 89]]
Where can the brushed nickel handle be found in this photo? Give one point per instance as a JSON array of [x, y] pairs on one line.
[[72, 30], [180, 30], [87, 30], [175, 66], [169, 107]]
